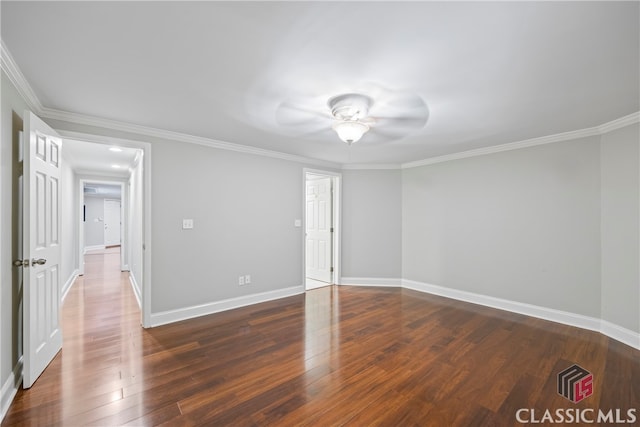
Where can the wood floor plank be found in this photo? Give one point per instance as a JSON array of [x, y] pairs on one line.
[[334, 356]]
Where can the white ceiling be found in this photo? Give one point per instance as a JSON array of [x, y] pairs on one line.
[[97, 160], [490, 72]]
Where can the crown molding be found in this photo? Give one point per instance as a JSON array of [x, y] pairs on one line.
[[83, 119], [375, 166], [16, 77], [619, 123], [566, 136], [559, 137]]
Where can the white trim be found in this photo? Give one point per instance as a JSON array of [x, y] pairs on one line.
[[177, 315], [559, 137], [92, 248], [18, 79], [10, 388], [176, 136], [83, 119], [619, 123], [371, 281], [136, 290], [572, 319], [618, 333], [373, 166], [146, 235], [69, 283]]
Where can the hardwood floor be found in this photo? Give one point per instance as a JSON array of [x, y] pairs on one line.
[[356, 356]]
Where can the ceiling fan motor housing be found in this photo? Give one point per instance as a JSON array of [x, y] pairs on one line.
[[350, 106]]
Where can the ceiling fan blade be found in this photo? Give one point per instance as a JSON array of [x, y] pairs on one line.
[[386, 135], [320, 134], [406, 124], [294, 115], [399, 104]]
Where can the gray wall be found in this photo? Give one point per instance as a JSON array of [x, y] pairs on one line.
[[620, 227], [372, 223], [522, 225], [243, 207], [12, 110]]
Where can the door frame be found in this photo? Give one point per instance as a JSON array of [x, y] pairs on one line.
[[336, 181], [145, 147], [124, 209]]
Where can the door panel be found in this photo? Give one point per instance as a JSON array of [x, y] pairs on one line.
[[318, 230], [112, 222], [41, 237]]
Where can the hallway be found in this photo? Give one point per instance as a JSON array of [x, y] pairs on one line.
[[101, 335]]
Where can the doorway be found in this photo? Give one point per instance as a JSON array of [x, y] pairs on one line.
[[101, 226], [321, 228], [134, 179]]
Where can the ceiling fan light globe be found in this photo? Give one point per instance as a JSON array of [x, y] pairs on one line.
[[350, 131]]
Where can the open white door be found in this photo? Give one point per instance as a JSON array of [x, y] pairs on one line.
[[41, 253], [319, 229]]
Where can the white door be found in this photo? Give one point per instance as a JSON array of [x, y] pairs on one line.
[[41, 234], [319, 230], [111, 222]]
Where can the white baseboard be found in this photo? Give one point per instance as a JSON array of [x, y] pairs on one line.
[[572, 319], [10, 388], [93, 248], [171, 316], [136, 289], [67, 285], [621, 334], [371, 281]]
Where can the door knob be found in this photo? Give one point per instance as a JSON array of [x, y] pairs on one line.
[[40, 261], [21, 263]]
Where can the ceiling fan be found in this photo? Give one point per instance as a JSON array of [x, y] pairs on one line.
[[385, 116]]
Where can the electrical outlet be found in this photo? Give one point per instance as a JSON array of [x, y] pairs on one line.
[[241, 280], [247, 279], [187, 224]]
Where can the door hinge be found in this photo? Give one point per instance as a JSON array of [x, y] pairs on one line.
[[331, 230], [331, 269]]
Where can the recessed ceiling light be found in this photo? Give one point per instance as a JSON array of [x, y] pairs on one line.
[[115, 149], [116, 166]]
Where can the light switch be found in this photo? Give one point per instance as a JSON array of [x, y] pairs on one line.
[[187, 224], [297, 223]]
